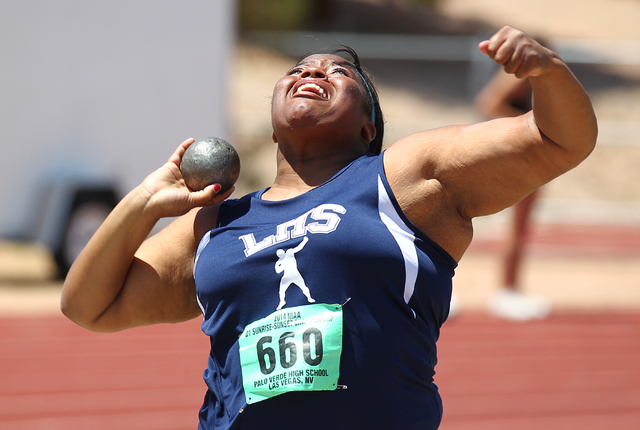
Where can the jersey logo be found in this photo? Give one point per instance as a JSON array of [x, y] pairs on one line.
[[288, 266], [321, 219]]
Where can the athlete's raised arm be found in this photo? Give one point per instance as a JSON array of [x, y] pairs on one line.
[[480, 169]]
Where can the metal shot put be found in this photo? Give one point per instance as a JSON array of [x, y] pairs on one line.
[[211, 160]]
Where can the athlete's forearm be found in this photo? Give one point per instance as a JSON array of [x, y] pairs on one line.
[[99, 273], [563, 111]]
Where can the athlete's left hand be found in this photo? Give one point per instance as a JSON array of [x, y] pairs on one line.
[[517, 53]]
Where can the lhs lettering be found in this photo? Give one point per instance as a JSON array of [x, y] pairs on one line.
[[322, 219]]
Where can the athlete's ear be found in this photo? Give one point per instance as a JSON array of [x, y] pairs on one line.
[[273, 137], [368, 132]]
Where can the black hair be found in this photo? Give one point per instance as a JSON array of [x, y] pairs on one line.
[[373, 103]]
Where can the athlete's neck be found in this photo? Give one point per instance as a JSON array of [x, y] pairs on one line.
[[297, 175]]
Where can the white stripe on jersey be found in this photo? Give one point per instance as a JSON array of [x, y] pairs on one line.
[[203, 243], [404, 238]]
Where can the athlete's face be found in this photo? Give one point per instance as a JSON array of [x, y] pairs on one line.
[[321, 89]]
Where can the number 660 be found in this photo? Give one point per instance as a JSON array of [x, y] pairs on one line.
[[266, 353]]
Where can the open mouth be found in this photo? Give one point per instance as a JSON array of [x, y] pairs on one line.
[[310, 87]]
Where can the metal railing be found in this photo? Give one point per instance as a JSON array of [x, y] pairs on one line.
[[440, 48]]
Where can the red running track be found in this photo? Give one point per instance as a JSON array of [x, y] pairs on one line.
[[571, 371]]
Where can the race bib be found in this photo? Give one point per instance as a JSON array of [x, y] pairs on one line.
[[293, 349]]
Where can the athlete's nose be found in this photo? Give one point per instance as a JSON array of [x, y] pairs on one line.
[[313, 72]]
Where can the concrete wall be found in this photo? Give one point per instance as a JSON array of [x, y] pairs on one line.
[[109, 89]]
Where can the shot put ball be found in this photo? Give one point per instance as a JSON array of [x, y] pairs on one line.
[[210, 161]]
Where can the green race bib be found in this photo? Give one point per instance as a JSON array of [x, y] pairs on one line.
[[293, 349]]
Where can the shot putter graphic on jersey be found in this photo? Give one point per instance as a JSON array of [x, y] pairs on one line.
[[287, 265]]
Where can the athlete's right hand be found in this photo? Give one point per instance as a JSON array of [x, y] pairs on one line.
[[166, 193]]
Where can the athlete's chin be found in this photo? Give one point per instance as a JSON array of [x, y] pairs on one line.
[[302, 115]]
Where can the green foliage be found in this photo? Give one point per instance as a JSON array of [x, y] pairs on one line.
[[273, 14], [297, 14]]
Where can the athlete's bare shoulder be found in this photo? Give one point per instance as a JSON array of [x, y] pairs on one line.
[[205, 219]]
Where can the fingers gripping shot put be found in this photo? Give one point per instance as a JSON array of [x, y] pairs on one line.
[[210, 161], [323, 295]]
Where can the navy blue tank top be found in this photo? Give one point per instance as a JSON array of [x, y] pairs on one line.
[[352, 245]]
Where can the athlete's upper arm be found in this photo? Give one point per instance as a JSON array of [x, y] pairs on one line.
[[484, 167], [159, 287]]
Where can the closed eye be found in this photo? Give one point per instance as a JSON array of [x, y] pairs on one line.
[[340, 71]]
